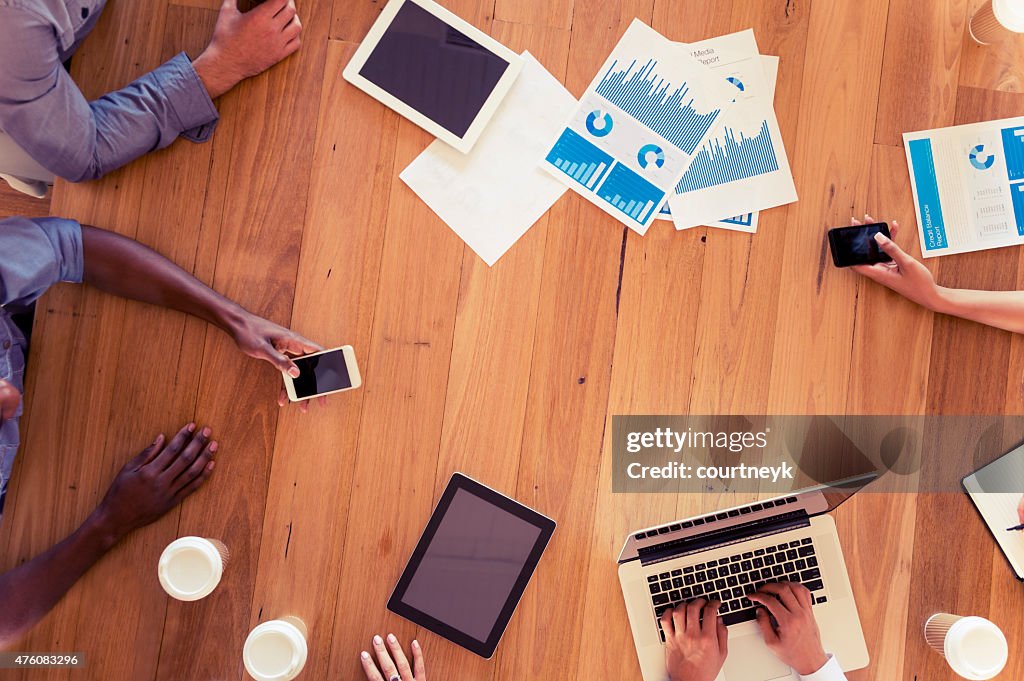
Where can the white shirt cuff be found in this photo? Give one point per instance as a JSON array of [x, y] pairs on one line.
[[830, 671]]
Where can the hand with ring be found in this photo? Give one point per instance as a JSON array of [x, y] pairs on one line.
[[393, 665]]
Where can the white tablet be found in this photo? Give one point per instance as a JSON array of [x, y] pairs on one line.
[[435, 69]]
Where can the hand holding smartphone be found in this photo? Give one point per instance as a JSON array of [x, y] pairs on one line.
[[856, 245], [323, 373]]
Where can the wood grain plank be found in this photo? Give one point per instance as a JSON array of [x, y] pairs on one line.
[[999, 66], [162, 360], [831, 158], [15, 203], [892, 338], [691, 20], [403, 406], [657, 309], [919, 76], [257, 258], [492, 354], [969, 375], [568, 395], [302, 545], [740, 287], [555, 14]]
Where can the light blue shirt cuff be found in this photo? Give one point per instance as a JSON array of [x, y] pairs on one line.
[[830, 671], [48, 250], [188, 98]]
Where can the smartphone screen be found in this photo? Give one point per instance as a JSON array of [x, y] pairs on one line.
[[856, 245], [320, 374]]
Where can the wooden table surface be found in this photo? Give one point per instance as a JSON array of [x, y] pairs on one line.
[[511, 373]]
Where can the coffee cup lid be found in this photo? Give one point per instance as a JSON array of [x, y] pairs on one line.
[[976, 648], [274, 651], [190, 568]]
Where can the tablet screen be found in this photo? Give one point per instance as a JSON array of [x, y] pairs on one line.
[[471, 565], [433, 68]]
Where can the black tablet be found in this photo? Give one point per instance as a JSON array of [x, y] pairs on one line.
[[471, 565]]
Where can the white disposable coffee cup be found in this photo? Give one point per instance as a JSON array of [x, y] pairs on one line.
[[997, 20], [975, 648], [276, 650], [191, 567]]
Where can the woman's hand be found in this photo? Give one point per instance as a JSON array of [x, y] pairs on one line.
[[394, 666], [263, 339], [10, 398], [904, 275]]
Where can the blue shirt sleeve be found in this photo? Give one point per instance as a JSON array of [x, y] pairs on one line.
[[35, 254], [43, 110]]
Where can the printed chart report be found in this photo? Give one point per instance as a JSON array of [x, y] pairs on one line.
[[968, 184], [743, 165], [637, 126]]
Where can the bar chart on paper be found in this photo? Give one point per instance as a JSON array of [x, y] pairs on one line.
[[630, 193], [725, 158], [579, 159], [653, 101]]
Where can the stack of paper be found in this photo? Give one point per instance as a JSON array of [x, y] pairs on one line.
[[665, 130]]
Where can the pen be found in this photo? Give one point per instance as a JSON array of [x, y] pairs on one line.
[[1015, 528]]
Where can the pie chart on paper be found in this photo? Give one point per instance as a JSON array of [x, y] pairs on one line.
[[599, 123], [981, 159]]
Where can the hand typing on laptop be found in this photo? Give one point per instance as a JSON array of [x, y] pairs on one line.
[[793, 636], [696, 641]]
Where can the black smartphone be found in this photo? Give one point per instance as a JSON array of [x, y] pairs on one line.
[[856, 245]]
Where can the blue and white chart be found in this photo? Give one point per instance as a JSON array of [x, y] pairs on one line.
[[743, 166], [748, 221], [968, 183], [638, 126]]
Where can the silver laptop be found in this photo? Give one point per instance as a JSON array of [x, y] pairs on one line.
[[727, 555]]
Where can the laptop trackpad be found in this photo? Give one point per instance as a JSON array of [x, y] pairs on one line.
[[750, 660]]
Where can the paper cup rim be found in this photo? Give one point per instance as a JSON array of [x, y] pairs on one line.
[[277, 627], [201, 545], [956, 660]]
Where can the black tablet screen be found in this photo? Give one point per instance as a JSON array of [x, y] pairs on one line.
[[435, 69], [471, 565]]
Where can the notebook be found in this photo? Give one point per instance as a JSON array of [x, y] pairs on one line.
[[996, 490]]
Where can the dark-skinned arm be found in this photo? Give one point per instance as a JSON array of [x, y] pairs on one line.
[[148, 486], [126, 268]]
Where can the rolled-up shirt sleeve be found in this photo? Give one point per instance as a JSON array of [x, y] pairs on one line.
[[43, 110], [830, 671], [35, 254]]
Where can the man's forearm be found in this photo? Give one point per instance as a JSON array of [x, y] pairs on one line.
[[126, 268], [30, 590], [1001, 309]]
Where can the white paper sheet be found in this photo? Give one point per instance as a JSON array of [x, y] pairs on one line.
[[493, 195], [743, 166], [968, 184], [648, 110]]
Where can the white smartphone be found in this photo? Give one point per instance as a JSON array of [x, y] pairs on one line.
[[323, 373]]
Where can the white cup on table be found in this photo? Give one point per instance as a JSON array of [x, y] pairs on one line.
[[974, 647], [276, 650], [190, 568]]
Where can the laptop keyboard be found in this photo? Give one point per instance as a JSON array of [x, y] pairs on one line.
[[731, 579]]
